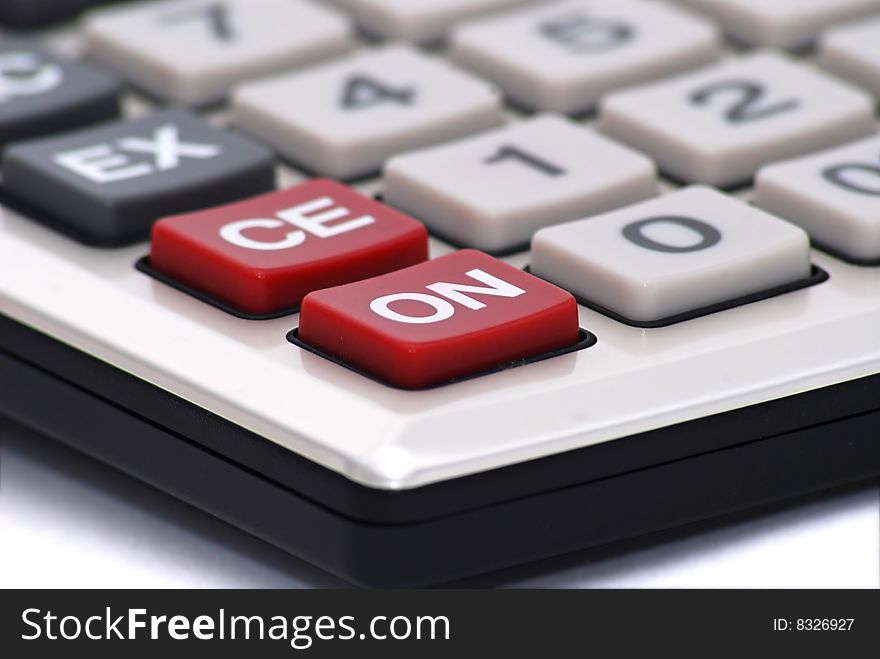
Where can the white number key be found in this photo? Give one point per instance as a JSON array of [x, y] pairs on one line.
[[493, 191], [672, 255], [833, 195], [192, 51], [345, 118], [851, 52], [781, 23], [564, 56], [720, 125]]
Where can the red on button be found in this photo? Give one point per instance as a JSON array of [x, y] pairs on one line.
[[454, 316], [264, 254]]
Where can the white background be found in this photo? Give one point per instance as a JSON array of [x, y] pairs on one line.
[[67, 521]]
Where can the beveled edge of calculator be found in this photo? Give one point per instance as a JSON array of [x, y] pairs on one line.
[[817, 276], [586, 340]]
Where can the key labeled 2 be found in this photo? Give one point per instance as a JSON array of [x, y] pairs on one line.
[[107, 185], [448, 318], [719, 125], [261, 256]]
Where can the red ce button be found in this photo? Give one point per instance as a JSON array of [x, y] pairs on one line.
[[265, 254]]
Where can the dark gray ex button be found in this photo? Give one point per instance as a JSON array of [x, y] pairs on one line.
[[42, 94], [107, 185]]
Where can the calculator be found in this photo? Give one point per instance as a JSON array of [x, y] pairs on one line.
[[417, 290]]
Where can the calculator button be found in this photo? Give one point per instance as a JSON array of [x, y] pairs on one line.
[[672, 255], [566, 55], [720, 125], [263, 255], [833, 195], [421, 21], [191, 52], [107, 185], [781, 23], [495, 190], [851, 52], [345, 118], [42, 94], [448, 318]]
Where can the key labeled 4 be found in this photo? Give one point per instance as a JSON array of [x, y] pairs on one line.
[[448, 318], [263, 255]]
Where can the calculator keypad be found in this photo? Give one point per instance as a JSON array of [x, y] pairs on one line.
[[493, 191], [720, 125], [834, 195], [565, 56], [42, 94], [361, 110], [263, 255], [191, 52], [107, 185], [455, 161], [448, 318], [672, 255]]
